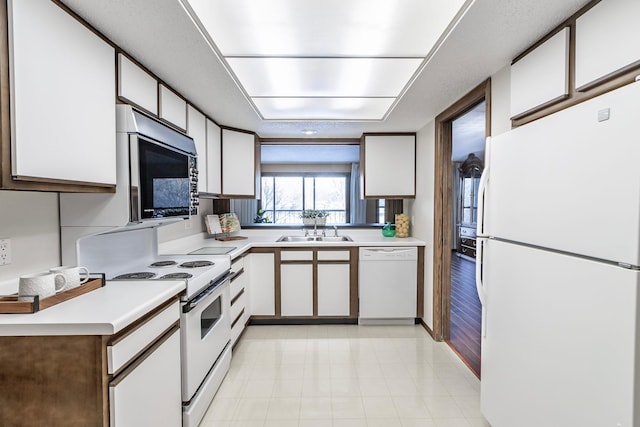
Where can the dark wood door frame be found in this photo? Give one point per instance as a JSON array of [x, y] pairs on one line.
[[443, 203]]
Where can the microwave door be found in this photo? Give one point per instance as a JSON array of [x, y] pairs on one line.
[[163, 180]]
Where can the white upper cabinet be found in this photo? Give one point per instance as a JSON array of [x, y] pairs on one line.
[[542, 76], [197, 129], [62, 97], [173, 108], [239, 164], [389, 166], [137, 86], [606, 40], [214, 158]]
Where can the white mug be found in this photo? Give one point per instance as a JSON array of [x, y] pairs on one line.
[[42, 284], [72, 275]]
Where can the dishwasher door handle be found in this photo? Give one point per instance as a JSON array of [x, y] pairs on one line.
[[387, 250]]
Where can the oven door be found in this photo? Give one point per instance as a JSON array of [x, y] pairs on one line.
[[206, 330]]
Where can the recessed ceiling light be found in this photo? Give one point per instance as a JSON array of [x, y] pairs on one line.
[[309, 131]]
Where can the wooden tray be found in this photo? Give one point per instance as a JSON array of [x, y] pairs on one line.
[[227, 238], [9, 304]]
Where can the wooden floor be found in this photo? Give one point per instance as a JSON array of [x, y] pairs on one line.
[[466, 312]]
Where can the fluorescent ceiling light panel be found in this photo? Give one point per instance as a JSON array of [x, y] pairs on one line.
[[324, 77], [361, 49], [323, 108], [325, 27]]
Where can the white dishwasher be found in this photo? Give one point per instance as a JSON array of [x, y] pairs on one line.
[[387, 285]]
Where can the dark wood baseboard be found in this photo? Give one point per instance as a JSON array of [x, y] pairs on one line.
[[426, 327], [304, 321]]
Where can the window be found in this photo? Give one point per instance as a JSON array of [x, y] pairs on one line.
[[380, 211], [285, 196]]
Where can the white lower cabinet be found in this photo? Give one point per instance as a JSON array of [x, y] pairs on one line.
[[333, 289], [313, 283], [262, 279], [148, 392], [131, 378], [296, 284], [239, 297]]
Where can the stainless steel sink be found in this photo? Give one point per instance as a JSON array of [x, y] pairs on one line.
[[336, 239], [296, 239], [314, 239]]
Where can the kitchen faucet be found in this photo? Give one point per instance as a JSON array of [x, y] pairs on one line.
[[335, 231]]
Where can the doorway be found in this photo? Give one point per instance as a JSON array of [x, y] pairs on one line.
[[456, 315], [465, 311]]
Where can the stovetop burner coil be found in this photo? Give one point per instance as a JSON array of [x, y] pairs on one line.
[[195, 264], [166, 263], [140, 275], [177, 276]]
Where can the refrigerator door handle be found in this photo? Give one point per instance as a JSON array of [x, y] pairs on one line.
[[482, 188], [479, 283]]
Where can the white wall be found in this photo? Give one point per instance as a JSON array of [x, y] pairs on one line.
[[501, 101], [187, 227], [421, 209], [31, 221]]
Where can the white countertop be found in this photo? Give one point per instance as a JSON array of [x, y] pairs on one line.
[[267, 238], [104, 311]]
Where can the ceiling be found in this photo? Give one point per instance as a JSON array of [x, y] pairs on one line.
[[162, 35], [468, 133], [324, 59]]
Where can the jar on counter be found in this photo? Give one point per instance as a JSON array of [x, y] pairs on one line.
[[402, 225]]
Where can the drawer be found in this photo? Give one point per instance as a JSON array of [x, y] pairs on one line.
[[333, 255], [237, 305], [238, 327], [238, 283], [468, 242], [237, 264], [127, 347], [467, 232], [296, 256], [468, 251]]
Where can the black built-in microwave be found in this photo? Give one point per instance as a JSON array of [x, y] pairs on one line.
[[163, 171]]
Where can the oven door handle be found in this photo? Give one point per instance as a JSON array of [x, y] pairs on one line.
[[190, 305]]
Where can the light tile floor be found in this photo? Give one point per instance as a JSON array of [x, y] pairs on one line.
[[345, 376]]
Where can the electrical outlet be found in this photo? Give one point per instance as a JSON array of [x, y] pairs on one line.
[[5, 251]]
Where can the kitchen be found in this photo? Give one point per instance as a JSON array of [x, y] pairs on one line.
[[32, 219]]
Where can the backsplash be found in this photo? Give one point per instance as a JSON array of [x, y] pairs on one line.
[[31, 221], [187, 227]]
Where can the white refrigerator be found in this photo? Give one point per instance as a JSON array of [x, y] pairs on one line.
[[558, 268]]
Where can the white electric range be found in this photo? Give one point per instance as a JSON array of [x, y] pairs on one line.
[[205, 324]]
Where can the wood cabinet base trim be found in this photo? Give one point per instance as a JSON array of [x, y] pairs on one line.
[[263, 320]]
